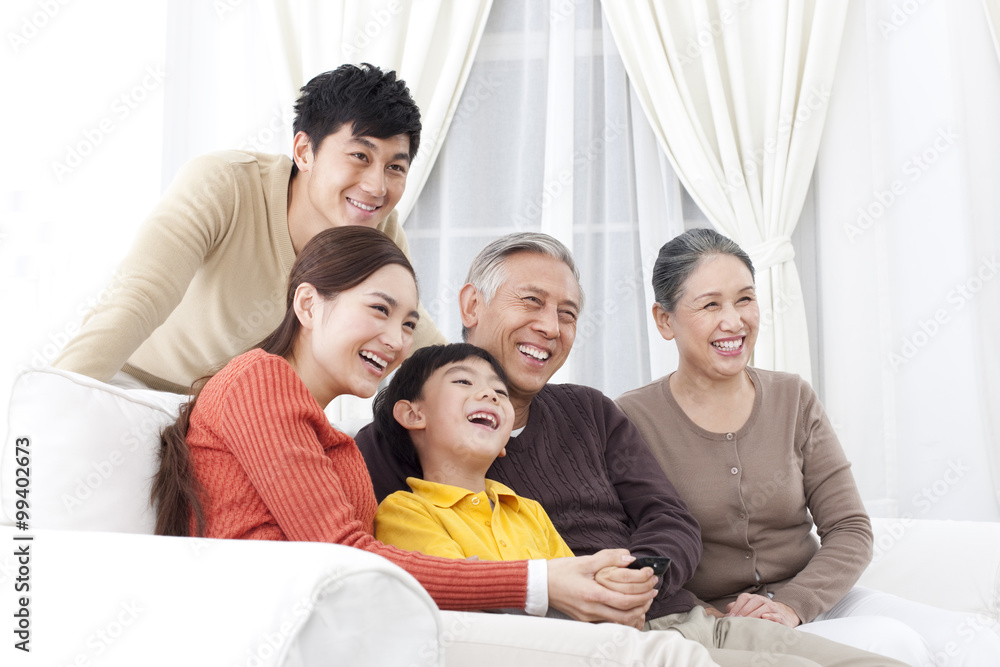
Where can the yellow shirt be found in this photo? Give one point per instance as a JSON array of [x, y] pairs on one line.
[[448, 521]]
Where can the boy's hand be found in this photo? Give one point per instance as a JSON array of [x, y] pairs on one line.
[[574, 588], [626, 580]]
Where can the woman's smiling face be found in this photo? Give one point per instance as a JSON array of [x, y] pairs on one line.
[[349, 343], [716, 318]]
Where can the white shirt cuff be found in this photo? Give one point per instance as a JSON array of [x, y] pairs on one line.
[[536, 603]]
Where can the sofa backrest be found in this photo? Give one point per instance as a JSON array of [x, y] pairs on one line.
[[81, 453]]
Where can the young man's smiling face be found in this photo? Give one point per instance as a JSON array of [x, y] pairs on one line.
[[349, 179]]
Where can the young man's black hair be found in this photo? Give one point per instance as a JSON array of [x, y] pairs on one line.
[[375, 103]]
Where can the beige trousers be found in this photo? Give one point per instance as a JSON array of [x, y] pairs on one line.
[[757, 643]]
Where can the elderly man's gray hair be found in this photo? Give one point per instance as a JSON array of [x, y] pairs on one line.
[[488, 270]]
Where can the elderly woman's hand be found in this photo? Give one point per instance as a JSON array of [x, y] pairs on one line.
[[761, 606]]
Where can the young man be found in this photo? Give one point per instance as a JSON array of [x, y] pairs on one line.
[[205, 278], [578, 455], [448, 406]]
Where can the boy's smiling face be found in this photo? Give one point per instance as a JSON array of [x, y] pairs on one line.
[[461, 422]]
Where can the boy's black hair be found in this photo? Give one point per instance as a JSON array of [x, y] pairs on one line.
[[408, 385], [375, 103]]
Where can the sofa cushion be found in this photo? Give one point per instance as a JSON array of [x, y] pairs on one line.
[[92, 450], [949, 564], [113, 599]]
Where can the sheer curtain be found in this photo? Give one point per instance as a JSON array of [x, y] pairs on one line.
[[992, 8], [908, 243], [737, 94], [236, 68], [547, 137]]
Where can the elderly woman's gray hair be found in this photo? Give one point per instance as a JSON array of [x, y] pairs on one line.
[[680, 256]]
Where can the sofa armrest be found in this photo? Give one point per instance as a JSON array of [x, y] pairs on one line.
[[126, 599], [949, 564]]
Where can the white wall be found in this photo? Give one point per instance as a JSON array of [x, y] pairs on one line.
[[80, 136]]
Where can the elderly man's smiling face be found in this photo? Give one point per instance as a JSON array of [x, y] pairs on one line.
[[530, 323]]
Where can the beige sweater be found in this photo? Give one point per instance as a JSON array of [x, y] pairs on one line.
[[205, 279], [758, 492]]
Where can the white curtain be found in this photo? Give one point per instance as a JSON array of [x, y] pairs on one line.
[[908, 217], [548, 137], [737, 93], [992, 8]]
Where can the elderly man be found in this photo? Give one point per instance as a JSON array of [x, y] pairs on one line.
[[577, 454]]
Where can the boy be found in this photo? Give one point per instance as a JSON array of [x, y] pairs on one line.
[[447, 409]]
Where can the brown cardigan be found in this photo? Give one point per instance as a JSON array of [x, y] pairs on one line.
[[758, 492]]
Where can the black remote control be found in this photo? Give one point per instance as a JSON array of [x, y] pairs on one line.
[[658, 563]]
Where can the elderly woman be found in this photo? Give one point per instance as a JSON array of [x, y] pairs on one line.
[[755, 458]]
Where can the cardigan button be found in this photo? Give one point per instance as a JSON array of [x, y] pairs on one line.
[[729, 436], [734, 470]]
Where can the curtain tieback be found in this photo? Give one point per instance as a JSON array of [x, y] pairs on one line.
[[771, 253]]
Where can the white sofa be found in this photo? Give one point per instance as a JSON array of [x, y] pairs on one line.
[[104, 591]]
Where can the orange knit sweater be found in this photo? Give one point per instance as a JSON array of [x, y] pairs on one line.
[[273, 468]]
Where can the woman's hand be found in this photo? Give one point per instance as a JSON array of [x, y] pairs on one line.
[[761, 606], [601, 588]]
